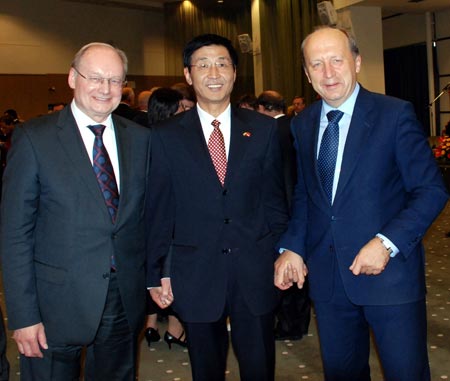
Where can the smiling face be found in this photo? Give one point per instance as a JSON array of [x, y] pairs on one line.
[[97, 100], [330, 66], [213, 86]]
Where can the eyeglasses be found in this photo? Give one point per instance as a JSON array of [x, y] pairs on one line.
[[97, 81], [206, 65]]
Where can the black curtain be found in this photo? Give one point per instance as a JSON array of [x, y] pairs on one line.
[[406, 77]]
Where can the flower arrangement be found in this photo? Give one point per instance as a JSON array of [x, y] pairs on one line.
[[442, 150]]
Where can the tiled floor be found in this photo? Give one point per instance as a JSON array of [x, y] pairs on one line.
[[300, 360]]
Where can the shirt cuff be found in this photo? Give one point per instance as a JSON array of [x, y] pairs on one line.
[[389, 244]]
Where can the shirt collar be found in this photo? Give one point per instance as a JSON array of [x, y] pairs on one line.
[[83, 120], [206, 118], [346, 107]]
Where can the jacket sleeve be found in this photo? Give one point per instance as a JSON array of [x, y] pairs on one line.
[[160, 214], [422, 181], [19, 209]]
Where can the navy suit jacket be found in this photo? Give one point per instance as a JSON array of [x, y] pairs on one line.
[[56, 235], [216, 234], [389, 184]]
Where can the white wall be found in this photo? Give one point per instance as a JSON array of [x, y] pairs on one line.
[[38, 37], [367, 28]]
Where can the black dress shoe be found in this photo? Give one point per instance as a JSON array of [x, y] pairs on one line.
[[169, 339], [152, 336]]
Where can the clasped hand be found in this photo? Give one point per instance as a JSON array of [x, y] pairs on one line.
[[289, 269], [163, 295]]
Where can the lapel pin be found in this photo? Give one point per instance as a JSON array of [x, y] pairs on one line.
[[247, 134]]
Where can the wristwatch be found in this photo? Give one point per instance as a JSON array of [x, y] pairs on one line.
[[388, 248]]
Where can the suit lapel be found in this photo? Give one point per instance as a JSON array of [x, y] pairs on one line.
[[240, 138], [71, 141], [308, 144], [193, 140], [124, 154], [361, 126]]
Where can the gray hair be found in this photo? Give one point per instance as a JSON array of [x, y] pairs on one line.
[[78, 57], [353, 46]]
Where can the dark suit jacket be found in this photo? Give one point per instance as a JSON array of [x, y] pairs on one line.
[[289, 158], [56, 235], [389, 184], [125, 111], [204, 223]]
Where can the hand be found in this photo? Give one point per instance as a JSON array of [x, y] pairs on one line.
[[163, 295], [371, 259], [289, 269], [30, 340]]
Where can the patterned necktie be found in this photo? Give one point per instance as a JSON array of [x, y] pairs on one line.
[[328, 152], [216, 146], [104, 171]]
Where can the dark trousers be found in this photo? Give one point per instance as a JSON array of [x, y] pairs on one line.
[[110, 357], [251, 336], [4, 364], [253, 344], [293, 313], [400, 333]]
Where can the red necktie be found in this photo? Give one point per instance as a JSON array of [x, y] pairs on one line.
[[216, 146]]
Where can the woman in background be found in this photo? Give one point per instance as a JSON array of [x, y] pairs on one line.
[[162, 104]]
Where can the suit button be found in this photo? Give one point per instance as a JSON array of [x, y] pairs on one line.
[[227, 220], [114, 236], [225, 192], [105, 276], [331, 248], [226, 251]]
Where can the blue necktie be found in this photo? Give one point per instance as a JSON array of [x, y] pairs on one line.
[[104, 171], [328, 152]]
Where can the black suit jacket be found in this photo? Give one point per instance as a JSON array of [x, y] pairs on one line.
[[289, 158], [204, 224], [126, 111], [56, 235]]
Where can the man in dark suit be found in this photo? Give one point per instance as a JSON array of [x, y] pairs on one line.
[[294, 310], [357, 224], [73, 262], [126, 108], [218, 206]]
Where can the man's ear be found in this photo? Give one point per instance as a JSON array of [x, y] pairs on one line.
[[187, 75], [71, 78]]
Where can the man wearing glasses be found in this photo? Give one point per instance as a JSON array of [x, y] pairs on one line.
[[218, 206], [72, 238]]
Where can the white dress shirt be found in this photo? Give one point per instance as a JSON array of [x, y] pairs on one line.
[[109, 137], [225, 125]]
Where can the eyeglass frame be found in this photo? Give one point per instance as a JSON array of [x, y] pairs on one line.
[[97, 80], [205, 65]]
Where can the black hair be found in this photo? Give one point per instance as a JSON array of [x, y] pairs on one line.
[[207, 40], [162, 104], [12, 113], [248, 99]]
